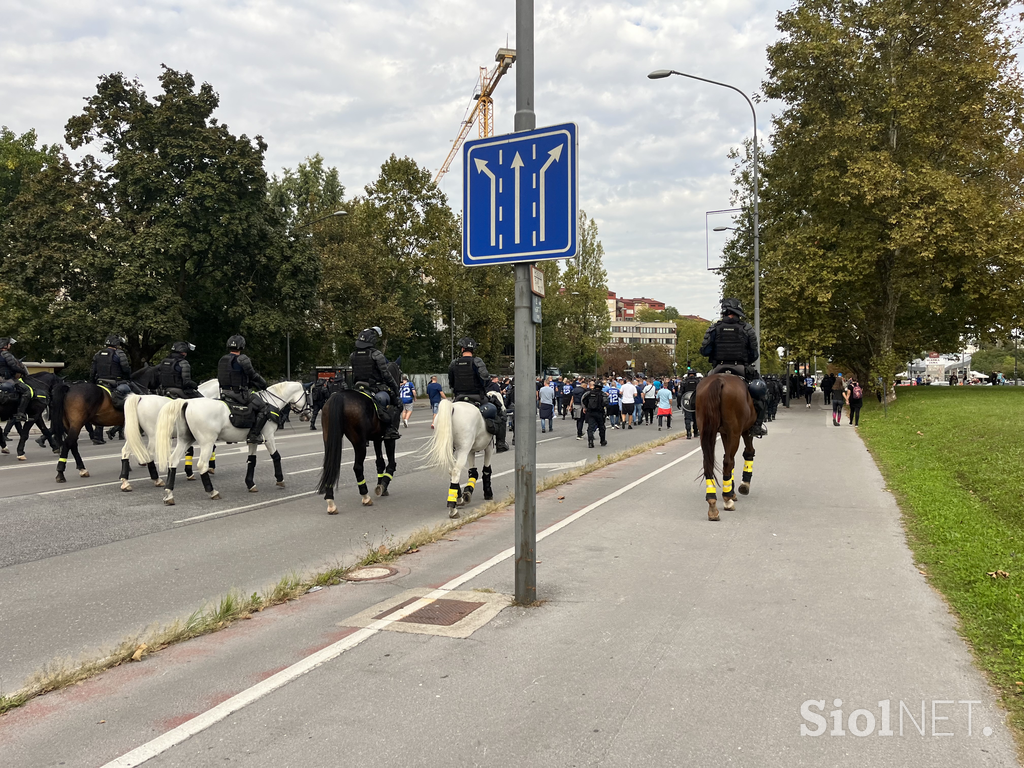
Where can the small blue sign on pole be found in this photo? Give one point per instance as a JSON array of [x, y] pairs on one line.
[[520, 199]]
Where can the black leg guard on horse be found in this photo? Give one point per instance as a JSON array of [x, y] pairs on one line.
[[250, 470], [189, 455], [278, 472], [126, 468], [207, 482], [170, 478], [488, 493], [153, 474]]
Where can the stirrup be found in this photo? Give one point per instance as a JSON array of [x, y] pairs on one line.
[[252, 439], [500, 447], [392, 434], [20, 417]]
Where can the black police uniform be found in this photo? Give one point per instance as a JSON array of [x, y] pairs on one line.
[[470, 381], [237, 377], [370, 368], [594, 405], [689, 388], [110, 367], [576, 401], [11, 371], [174, 377], [731, 345]]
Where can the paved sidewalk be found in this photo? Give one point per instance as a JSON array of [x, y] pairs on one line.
[[662, 640]]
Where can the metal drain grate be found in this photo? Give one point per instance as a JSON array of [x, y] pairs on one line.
[[440, 613]]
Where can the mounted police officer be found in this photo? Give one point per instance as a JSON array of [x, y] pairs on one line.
[[11, 372], [370, 369], [732, 346], [174, 373], [470, 380], [237, 379], [110, 366]]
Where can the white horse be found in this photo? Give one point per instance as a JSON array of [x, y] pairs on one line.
[[140, 415], [459, 434], [205, 421]]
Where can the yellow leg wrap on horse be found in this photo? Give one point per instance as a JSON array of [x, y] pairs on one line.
[[711, 485], [453, 495], [188, 461], [213, 456], [727, 486], [471, 483], [748, 466]]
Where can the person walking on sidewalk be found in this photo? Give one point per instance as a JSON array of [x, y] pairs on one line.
[[855, 400], [838, 400], [407, 394], [827, 384], [546, 403], [612, 391], [576, 407], [594, 409], [627, 396], [650, 395], [808, 389], [665, 407], [434, 394]]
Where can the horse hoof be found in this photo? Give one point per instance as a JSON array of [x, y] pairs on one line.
[[83, 473], [23, 457], [367, 501], [332, 508], [190, 478], [61, 478], [453, 513], [385, 492], [730, 505], [210, 471], [280, 483], [215, 495], [158, 483], [55, 451], [713, 514], [744, 489], [488, 496], [253, 490], [169, 501], [5, 450], [126, 486], [379, 490]]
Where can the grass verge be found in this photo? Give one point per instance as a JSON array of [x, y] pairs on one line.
[[234, 606], [952, 457]]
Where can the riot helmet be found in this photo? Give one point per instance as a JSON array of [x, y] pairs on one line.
[[467, 343], [182, 347], [113, 340], [368, 337], [6, 342], [732, 307], [236, 342]]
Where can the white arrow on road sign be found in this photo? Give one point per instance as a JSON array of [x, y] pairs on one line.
[[517, 166], [554, 155], [481, 165]]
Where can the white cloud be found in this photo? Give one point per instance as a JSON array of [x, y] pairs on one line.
[[358, 80]]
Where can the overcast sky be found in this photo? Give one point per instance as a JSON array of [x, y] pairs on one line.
[[357, 81]]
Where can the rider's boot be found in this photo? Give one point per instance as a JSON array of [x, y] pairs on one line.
[[22, 414], [500, 426], [759, 430], [392, 433], [254, 437]]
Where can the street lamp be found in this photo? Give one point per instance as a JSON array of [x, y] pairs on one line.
[[662, 73], [322, 218]]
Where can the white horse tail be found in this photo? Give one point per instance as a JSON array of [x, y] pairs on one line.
[[132, 431], [165, 426], [441, 450]]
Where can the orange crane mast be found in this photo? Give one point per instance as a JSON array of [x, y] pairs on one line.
[[482, 109]]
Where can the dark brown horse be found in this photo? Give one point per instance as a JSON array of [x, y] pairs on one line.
[[724, 407], [353, 414]]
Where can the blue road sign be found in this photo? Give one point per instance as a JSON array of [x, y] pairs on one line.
[[520, 200]]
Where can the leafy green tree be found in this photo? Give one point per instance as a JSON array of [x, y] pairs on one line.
[[689, 335], [891, 204], [583, 309]]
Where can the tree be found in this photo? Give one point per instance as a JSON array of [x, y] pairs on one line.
[[892, 193], [691, 331], [584, 306]]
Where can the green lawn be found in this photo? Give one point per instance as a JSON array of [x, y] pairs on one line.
[[953, 458]]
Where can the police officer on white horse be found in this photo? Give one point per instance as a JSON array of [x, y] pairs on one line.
[[370, 368], [11, 372], [732, 346], [470, 380], [174, 373], [237, 379]]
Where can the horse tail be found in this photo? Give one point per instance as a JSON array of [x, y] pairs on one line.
[[165, 425], [710, 422], [132, 431], [441, 450], [60, 392], [332, 422]]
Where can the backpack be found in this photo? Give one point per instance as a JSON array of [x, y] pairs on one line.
[[857, 393]]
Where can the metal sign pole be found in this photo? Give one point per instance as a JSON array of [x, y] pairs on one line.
[[525, 340]]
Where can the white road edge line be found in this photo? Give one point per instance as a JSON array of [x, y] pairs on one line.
[[243, 699]]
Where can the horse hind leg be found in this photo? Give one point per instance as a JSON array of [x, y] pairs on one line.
[[467, 491], [748, 470], [453, 500], [357, 468], [488, 492], [728, 494], [711, 496]]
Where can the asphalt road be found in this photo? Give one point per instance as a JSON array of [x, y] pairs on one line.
[[85, 565]]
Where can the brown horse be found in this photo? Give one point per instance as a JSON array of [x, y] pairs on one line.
[[724, 407]]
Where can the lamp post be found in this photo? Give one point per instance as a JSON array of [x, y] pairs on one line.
[[661, 73]]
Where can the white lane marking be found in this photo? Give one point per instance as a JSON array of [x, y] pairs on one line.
[[243, 699], [549, 439], [223, 512], [80, 488], [344, 464]]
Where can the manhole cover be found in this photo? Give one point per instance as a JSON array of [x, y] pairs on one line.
[[441, 612], [371, 573]]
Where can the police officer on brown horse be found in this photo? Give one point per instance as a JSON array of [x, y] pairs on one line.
[[470, 380], [12, 371], [110, 366], [370, 369], [237, 379], [731, 345], [174, 373]]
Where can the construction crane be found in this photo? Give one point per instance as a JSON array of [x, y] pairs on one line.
[[481, 111]]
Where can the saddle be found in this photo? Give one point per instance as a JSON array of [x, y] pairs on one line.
[[118, 391], [487, 407], [241, 413], [370, 390]]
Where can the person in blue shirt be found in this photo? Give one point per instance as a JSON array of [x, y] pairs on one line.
[[565, 396], [407, 394], [664, 406], [612, 397], [434, 393]]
